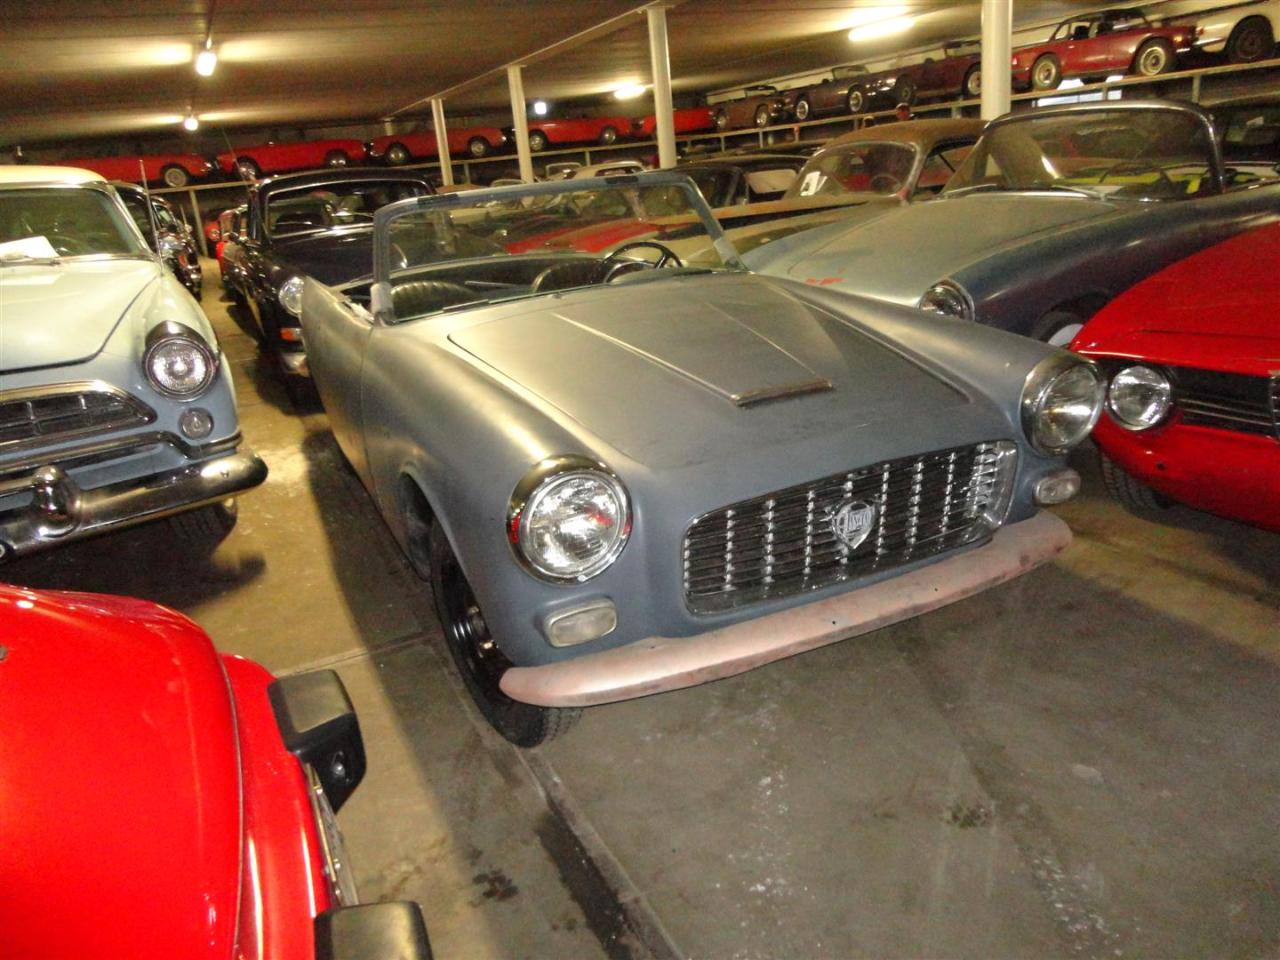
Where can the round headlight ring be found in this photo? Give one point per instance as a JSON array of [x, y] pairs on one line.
[[949, 299], [552, 484], [290, 296], [1061, 401], [180, 366], [1139, 397]]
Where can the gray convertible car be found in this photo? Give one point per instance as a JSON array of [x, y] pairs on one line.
[[1052, 214], [116, 405], [624, 475]]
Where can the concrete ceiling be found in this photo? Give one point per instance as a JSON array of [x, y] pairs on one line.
[[75, 70]]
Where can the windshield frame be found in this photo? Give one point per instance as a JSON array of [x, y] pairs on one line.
[[1104, 106], [386, 216], [113, 200]]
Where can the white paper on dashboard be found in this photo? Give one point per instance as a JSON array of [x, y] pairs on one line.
[[34, 247]]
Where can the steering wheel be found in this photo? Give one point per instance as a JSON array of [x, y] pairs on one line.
[[885, 183], [1139, 165], [615, 263]]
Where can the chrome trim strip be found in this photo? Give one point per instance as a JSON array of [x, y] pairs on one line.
[[113, 448], [139, 413]]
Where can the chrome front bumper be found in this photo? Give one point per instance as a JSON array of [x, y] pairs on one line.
[[659, 664], [60, 511]]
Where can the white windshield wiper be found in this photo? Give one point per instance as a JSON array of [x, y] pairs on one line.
[[972, 188], [23, 260]]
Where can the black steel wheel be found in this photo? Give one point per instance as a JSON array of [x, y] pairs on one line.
[[477, 656], [609, 135], [248, 168], [1131, 493], [398, 155], [205, 527], [1251, 40]]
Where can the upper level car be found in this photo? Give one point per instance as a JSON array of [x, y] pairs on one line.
[[317, 224], [171, 169], [957, 74], [546, 132], [623, 476], [166, 231], [217, 838], [401, 148], [760, 106], [684, 120], [831, 95], [1193, 405], [116, 404], [576, 171], [1094, 45], [1238, 32], [250, 163], [1053, 213]]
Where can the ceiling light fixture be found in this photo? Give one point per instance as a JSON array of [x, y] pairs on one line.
[[864, 15], [539, 108], [629, 91], [880, 28], [191, 122], [206, 59]]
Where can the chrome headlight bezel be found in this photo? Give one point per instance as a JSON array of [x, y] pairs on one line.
[[1157, 381], [289, 296], [528, 495], [948, 299], [164, 337], [1037, 393]]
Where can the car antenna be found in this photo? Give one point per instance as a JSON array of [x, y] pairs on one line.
[[232, 150], [151, 215]]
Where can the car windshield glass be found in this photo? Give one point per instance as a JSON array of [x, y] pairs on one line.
[[63, 222], [307, 209], [1130, 154], [855, 168], [519, 242], [136, 204]]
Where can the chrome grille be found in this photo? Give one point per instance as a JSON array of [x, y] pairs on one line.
[[30, 418], [1227, 401], [785, 543]]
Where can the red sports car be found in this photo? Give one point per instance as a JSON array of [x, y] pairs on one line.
[[1193, 406], [606, 130], [160, 800], [686, 120], [399, 148], [252, 162], [1098, 44], [171, 169]]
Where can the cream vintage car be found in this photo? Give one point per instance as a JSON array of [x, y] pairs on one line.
[[116, 404]]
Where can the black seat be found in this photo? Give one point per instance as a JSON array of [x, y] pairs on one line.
[[575, 273], [418, 297]]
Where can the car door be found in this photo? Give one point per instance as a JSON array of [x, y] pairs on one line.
[[337, 333]]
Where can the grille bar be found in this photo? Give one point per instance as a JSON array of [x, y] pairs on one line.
[[1226, 401], [36, 417], [786, 542]]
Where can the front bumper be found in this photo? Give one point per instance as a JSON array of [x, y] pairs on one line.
[[60, 511], [659, 664]]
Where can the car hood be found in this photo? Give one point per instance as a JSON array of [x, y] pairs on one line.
[[65, 313], [725, 364], [120, 814], [332, 257], [896, 257]]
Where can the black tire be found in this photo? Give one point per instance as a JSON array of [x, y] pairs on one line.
[[398, 155], [537, 141], [479, 660], [175, 176], [1251, 40], [205, 527], [1153, 58], [302, 393], [336, 158], [1131, 493], [248, 168], [1056, 325], [1046, 72], [855, 100], [904, 91], [972, 85], [478, 147], [762, 116], [609, 135], [722, 120], [803, 109]]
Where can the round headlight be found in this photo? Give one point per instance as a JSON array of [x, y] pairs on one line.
[[1061, 402], [290, 295], [948, 299], [1139, 397], [574, 521], [179, 366]]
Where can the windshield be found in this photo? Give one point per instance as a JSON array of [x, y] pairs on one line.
[[517, 242], [866, 167], [308, 209], [44, 223], [1131, 154]]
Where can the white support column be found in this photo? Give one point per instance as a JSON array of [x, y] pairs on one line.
[[660, 57], [997, 42], [515, 82], [442, 141]]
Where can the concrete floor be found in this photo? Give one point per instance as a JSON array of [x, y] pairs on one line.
[[1082, 763]]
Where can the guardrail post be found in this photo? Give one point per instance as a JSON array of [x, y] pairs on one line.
[[997, 39]]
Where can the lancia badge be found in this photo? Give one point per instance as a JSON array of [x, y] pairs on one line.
[[852, 521]]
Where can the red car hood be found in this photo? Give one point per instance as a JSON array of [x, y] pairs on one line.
[[120, 805], [1215, 310]]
